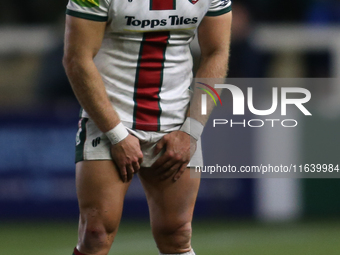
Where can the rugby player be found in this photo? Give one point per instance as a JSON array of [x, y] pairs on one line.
[[130, 67]]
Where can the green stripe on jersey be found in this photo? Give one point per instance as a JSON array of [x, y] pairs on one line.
[[218, 13], [136, 82], [160, 85], [87, 3], [86, 16]]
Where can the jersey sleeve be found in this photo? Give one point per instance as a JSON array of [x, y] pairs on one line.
[[219, 7], [96, 10]]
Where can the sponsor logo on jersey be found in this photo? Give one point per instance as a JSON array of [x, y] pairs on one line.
[[172, 20], [87, 3], [193, 1], [224, 2], [95, 142]]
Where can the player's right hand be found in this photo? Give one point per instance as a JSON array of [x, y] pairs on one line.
[[128, 156]]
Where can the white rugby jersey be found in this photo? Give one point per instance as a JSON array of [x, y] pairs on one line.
[[145, 60]]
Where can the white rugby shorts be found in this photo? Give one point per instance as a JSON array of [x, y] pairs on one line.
[[92, 144]]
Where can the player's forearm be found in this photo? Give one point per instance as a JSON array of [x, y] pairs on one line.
[[90, 91], [215, 65]]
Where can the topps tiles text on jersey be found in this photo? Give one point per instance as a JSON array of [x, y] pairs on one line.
[[174, 20]]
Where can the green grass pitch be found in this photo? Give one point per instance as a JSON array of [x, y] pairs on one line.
[[209, 238]]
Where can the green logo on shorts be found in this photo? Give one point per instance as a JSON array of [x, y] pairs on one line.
[[87, 3]]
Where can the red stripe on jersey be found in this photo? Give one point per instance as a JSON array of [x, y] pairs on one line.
[[149, 79], [159, 5]]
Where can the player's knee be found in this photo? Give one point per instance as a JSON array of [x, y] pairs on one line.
[[96, 233], [96, 238], [100, 229], [173, 237]]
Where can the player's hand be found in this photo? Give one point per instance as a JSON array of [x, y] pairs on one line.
[[128, 156], [179, 149]]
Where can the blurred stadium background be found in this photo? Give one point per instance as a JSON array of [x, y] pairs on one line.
[[38, 122]]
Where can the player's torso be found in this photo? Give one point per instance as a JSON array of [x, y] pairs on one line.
[[145, 60], [157, 15]]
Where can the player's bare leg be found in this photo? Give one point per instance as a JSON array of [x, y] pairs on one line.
[[171, 206], [100, 195]]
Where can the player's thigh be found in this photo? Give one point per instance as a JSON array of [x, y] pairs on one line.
[[100, 194], [170, 203]]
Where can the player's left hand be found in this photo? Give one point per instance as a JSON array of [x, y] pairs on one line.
[[179, 148]]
